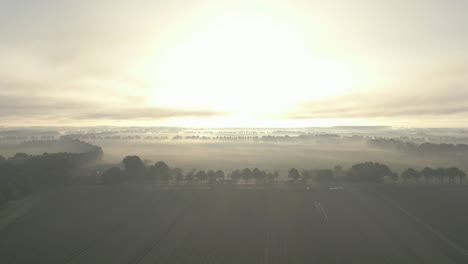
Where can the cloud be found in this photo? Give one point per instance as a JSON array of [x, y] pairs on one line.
[[414, 104], [46, 108], [75, 61]]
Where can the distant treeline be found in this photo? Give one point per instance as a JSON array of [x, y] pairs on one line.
[[261, 136], [424, 149], [51, 146], [22, 173]]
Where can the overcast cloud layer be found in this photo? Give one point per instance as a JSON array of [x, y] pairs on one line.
[[86, 63]]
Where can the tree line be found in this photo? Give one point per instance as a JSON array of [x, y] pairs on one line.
[[134, 170], [429, 174], [374, 172], [23, 173]]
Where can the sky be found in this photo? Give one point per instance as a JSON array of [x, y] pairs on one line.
[[236, 63]]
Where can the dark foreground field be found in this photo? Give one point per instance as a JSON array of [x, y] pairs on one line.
[[145, 224], [442, 207]]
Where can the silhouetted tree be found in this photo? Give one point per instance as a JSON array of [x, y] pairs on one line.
[[461, 176], [263, 177], [10, 188], [454, 172], [440, 174], [405, 176], [246, 175], [417, 175], [160, 171], [201, 176], [275, 176], [427, 173], [220, 175], [294, 175], [112, 176], [235, 176], [368, 172], [19, 158], [190, 177], [22, 173], [211, 177], [256, 175], [134, 167], [451, 174], [410, 173], [178, 175], [269, 178], [166, 177]]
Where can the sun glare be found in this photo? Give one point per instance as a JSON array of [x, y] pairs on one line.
[[247, 66]]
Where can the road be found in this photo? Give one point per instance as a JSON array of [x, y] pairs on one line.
[[142, 224]]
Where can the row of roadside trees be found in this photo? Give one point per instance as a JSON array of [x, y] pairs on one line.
[[134, 169], [428, 175], [369, 172], [374, 172]]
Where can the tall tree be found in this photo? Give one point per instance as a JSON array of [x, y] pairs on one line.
[[411, 173], [461, 176], [246, 175], [160, 171], [134, 168], [294, 175], [256, 175], [211, 177], [368, 172], [440, 174], [112, 176], [178, 175], [220, 175], [190, 177], [428, 174], [201, 176], [324, 176], [235, 176], [454, 172]]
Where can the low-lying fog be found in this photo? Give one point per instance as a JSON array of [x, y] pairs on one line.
[[267, 149], [271, 156]]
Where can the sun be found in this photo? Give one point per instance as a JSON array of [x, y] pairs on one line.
[[249, 66]]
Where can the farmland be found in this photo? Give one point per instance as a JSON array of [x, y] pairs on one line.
[[150, 224], [443, 207]]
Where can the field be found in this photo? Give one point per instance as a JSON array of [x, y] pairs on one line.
[[443, 207], [152, 224]]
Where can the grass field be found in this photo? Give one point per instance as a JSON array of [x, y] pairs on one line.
[[150, 224]]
